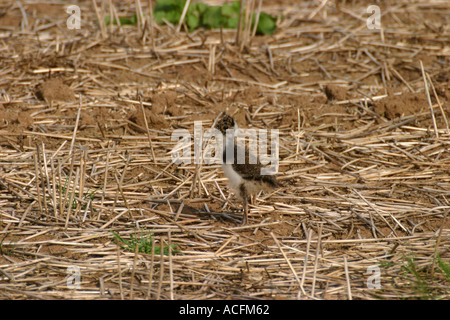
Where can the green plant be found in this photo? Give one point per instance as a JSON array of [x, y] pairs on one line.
[[144, 244], [3, 249], [423, 283], [123, 20], [169, 10], [419, 284], [444, 268], [202, 15], [88, 195], [1, 244]]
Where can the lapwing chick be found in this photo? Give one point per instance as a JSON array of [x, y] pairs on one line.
[[245, 177]]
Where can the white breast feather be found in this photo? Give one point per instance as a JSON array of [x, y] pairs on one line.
[[233, 177]]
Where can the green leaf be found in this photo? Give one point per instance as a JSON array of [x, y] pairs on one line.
[[169, 10], [266, 24], [192, 22], [212, 17], [123, 20], [200, 7], [230, 15], [230, 10]]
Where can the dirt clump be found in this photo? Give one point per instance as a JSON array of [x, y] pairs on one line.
[[55, 90], [13, 119], [154, 120], [399, 106], [164, 103], [335, 93]]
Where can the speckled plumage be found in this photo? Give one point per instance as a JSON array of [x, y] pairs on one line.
[[245, 178]]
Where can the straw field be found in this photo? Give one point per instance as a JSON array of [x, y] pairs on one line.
[[93, 207]]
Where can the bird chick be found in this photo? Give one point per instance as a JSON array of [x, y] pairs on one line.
[[244, 177]]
